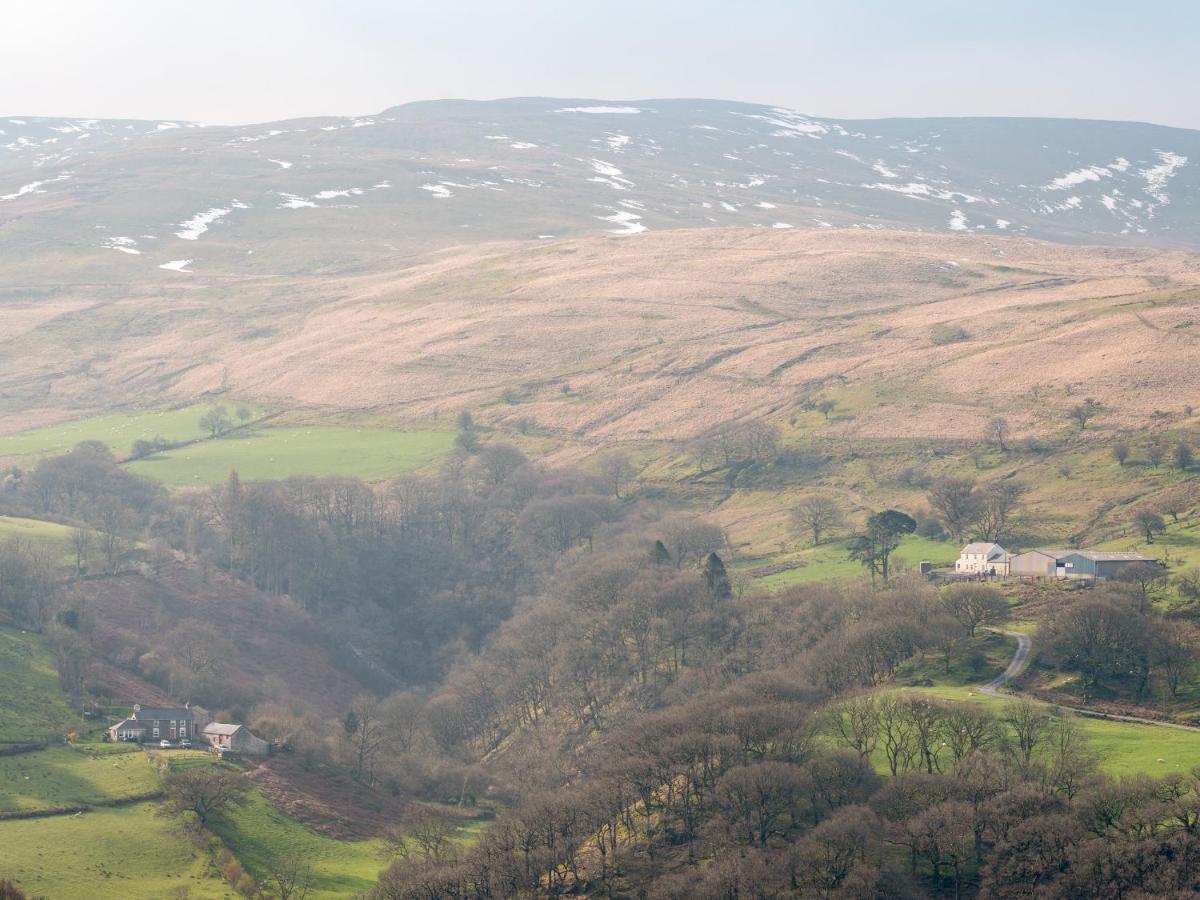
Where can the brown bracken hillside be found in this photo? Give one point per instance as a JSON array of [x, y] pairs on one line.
[[657, 336]]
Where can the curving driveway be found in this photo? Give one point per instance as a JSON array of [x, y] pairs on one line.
[[1015, 668]]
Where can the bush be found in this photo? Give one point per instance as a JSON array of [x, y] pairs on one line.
[[929, 527], [948, 334]]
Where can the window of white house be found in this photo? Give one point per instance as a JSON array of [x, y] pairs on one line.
[[156, 732]]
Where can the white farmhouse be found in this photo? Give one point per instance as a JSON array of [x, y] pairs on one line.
[[982, 559]]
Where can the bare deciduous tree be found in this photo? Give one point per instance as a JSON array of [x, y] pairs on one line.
[[616, 469], [817, 515], [997, 433], [955, 501]]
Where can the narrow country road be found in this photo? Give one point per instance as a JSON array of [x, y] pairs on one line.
[[1017, 666], [1020, 658]]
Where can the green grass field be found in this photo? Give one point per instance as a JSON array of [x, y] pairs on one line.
[[829, 561], [1180, 544], [118, 430], [62, 777], [129, 852], [271, 453], [989, 650], [32, 706], [1124, 747], [33, 530], [258, 834]]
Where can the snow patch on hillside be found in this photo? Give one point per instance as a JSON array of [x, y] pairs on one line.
[[177, 265], [198, 224], [297, 201], [920, 189], [1156, 177], [253, 139], [332, 194], [34, 187], [630, 222], [790, 124], [1079, 176], [124, 244], [958, 221], [294, 201], [602, 110], [283, 164], [607, 173]]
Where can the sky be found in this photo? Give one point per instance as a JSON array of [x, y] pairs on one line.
[[242, 61]]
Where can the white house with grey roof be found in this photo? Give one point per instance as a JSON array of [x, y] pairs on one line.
[[982, 559]]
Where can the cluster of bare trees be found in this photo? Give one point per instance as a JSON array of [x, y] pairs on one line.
[[731, 444], [28, 583], [755, 788], [112, 507], [967, 510], [914, 732], [1116, 639], [413, 571], [1158, 450]]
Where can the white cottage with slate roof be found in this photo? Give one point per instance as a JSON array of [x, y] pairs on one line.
[[982, 559]]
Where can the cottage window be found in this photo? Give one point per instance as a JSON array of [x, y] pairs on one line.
[[156, 731]]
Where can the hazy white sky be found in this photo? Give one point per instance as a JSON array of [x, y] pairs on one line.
[[236, 61]]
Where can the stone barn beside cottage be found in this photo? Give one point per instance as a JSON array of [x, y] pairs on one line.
[[234, 739]]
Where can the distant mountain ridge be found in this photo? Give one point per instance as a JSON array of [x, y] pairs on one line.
[[117, 199]]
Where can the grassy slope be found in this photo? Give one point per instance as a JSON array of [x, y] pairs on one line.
[[830, 561], [32, 706], [269, 453], [1179, 544], [34, 530], [1124, 747], [259, 833], [128, 852], [62, 777], [118, 430]]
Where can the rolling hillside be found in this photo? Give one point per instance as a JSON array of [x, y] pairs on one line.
[[661, 336], [98, 201]]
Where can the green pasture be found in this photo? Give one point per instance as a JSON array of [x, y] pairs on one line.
[[831, 562], [32, 706], [130, 852], [1179, 544], [259, 834], [33, 530], [1123, 747], [271, 453], [64, 777], [118, 430]]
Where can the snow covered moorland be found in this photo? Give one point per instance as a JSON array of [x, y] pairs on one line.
[[434, 174]]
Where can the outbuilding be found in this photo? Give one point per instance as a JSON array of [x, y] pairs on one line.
[[1094, 565], [234, 739]]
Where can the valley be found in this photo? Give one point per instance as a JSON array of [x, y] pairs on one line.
[[569, 494]]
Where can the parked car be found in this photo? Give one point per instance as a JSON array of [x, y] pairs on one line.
[[165, 744], [185, 744]]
